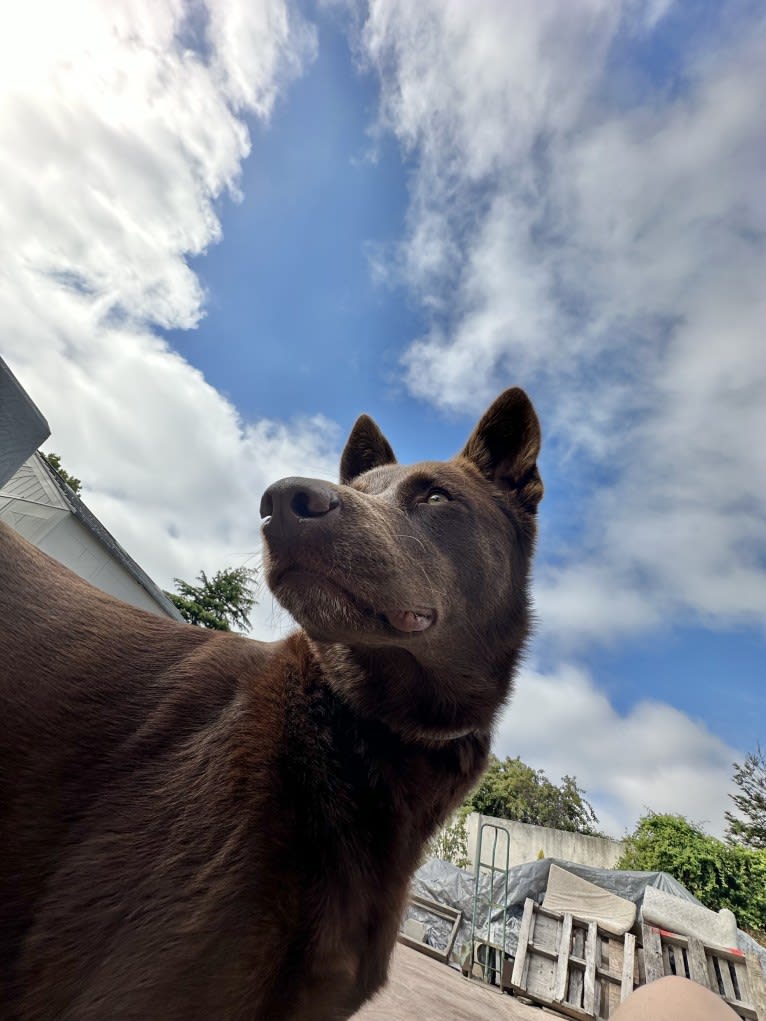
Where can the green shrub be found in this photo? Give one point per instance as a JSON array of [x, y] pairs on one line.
[[720, 875]]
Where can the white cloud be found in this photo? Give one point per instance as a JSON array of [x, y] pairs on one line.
[[572, 604], [607, 251], [654, 757], [257, 49], [117, 136], [601, 242]]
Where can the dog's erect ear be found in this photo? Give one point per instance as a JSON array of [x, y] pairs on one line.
[[505, 444], [365, 448]]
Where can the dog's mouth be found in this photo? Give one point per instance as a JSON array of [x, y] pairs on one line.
[[404, 620], [418, 618]]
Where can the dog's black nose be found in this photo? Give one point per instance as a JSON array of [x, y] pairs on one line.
[[295, 499]]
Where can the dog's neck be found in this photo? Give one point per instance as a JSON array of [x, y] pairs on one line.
[[394, 690]]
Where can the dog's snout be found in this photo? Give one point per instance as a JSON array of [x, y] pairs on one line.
[[292, 500]]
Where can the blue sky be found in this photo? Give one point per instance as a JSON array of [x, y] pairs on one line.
[[291, 290], [403, 209]]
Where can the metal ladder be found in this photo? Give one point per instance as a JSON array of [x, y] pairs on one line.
[[492, 952]]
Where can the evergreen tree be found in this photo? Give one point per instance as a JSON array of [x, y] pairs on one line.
[[220, 602], [749, 826]]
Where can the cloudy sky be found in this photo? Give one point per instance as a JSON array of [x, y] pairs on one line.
[[229, 226]]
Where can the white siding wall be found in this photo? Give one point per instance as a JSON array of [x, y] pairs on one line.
[[73, 545]]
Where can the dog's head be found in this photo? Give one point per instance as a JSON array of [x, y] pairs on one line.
[[431, 558]]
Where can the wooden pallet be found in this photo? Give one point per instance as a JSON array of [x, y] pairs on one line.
[[736, 977], [572, 965], [451, 915]]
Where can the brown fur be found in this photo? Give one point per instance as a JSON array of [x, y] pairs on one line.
[[194, 825]]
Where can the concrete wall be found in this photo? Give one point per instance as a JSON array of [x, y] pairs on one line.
[[526, 842]]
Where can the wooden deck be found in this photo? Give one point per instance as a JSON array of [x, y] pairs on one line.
[[420, 989]]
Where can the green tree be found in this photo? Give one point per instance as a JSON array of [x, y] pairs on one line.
[[451, 842], [720, 875], [220, 602], [55, 462], [510, 789], [748, 828]]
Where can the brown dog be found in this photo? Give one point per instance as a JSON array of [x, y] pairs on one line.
[[194, 825]]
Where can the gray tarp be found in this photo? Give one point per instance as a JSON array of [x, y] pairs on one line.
[[440, 881]]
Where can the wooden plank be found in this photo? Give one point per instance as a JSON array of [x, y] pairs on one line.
[[535, 948], [424, 948], [727, 953], [640, 966], [616, 952], [652, 954], [433, 907], [712, 971], [453, 935], [547, 932], [697, 963], [680, 964], [756, 981], [676, 939], [589, 979], [741, 985], [607, 977], [575, 974], [628, 965], [506, 975], [540, 978], [728, 985], [612, 960], [525, 932], [562, 964]]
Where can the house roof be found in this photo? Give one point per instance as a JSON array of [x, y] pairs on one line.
[[22, 430]]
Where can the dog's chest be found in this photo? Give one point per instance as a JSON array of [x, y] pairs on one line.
[[358, 835], [347, 956]]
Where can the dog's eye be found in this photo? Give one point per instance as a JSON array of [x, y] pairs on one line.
[[438, 496]]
